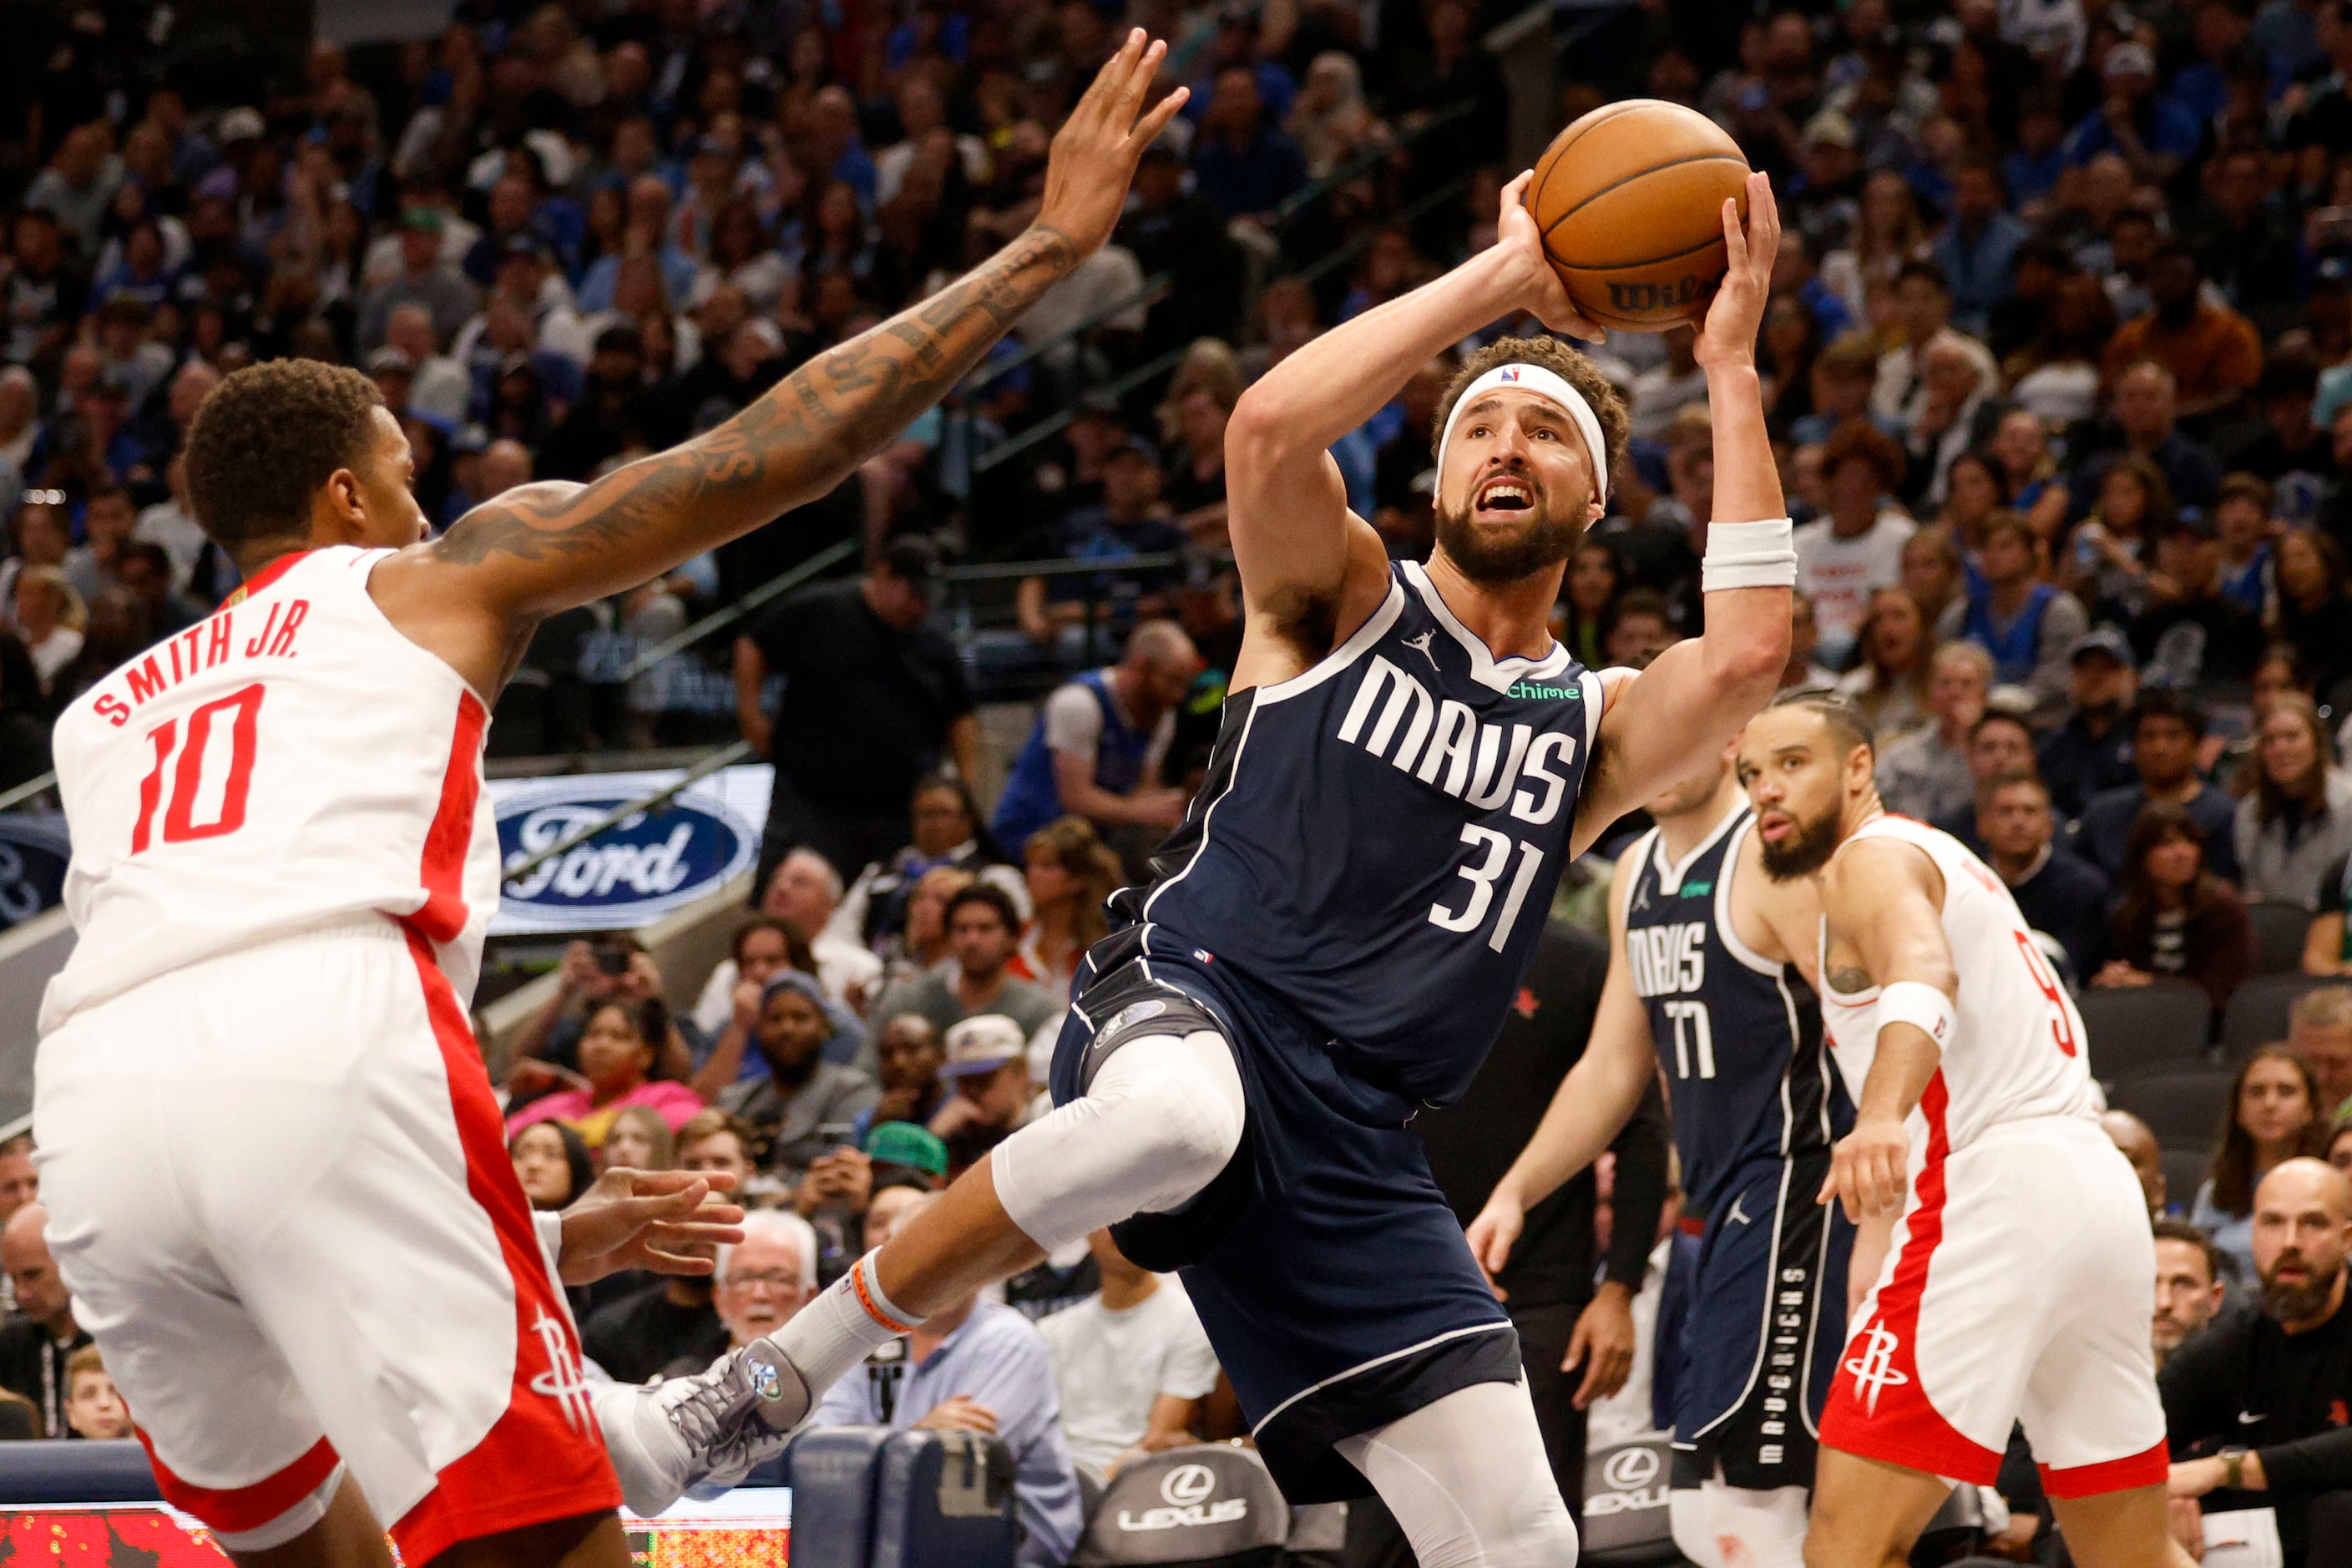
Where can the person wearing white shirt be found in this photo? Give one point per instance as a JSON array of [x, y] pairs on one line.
[[1132, 1364], [173, 525], [1857, 549], [803, 890]]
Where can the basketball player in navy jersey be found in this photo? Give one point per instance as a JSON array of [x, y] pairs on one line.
[[1711, 964], [1331, 938]]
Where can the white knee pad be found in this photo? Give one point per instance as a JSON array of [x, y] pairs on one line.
[[1162, 1118], [1718, 1526]]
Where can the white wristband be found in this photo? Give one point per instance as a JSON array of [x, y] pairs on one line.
[[1923, 1005], [1749, 556]]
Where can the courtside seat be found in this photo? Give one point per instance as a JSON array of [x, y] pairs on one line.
[[2136, 1029]]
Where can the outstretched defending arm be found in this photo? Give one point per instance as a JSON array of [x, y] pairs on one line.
[[1293, 537], [543, 548], [1592, 1104], [1885, 898], [1697, 693]]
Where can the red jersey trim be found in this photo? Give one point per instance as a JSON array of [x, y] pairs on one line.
[[443, 914], [261, 580], [2150, 1467], [240, 1510], [1876, 1408], [543, 1459]]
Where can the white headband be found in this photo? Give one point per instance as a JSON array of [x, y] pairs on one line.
[[1550, 386]]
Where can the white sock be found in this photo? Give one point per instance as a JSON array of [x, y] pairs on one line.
[[841, 1328]]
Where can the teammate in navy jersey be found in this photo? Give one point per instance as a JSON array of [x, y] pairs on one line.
[[1710, 978], [1331, 940]]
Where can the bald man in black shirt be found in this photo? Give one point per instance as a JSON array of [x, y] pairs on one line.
[[2259, 1406]]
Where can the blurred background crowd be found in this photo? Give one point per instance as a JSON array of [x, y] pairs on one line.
[[2058, 364]]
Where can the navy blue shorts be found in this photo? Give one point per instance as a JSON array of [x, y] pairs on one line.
[[1331, 1275], [1766, 1322]]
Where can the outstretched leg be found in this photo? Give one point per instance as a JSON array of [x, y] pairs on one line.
[[1469, 1482], [1162, 1119]]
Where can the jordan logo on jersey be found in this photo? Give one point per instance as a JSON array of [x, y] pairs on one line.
[[1441, 742], [1873, 1370], [563, 1380], [1420, 644]]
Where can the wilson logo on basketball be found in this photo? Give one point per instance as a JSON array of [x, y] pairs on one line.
[[1638, 298]]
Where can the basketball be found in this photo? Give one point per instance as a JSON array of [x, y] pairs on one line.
[[1630, 202]]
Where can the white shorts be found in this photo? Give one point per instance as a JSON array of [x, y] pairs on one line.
[[2016, 1290], [279, 1192]]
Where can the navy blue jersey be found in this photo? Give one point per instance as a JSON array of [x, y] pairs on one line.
[[1739, 1037], [1378, 836]]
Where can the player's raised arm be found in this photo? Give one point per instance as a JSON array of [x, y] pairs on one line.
[[1293, 537], [541, 549], [1699, 692], [1592, 1104], [1885, 899]]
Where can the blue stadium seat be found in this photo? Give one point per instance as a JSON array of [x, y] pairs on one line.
[[76, 1472]]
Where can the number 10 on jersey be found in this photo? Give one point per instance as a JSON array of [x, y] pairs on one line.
[[176, 787]]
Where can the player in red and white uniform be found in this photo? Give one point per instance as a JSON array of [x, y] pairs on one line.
[[275, 1170], [2014, 1238]]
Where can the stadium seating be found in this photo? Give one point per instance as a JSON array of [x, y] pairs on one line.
[[2278, 933], [1210, 1503], [2182, 1109], [76, 1472], [2146, 1029], [2257, 1014]]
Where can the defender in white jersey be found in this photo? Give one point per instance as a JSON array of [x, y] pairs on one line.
[[274, 1166], [2014, 1239]]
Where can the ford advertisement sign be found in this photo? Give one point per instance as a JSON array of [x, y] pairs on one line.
[[640, 869]]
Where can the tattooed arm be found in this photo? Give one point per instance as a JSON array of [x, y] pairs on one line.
[[472, 594]]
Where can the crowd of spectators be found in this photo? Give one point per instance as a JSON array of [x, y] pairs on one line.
[[2058, 366]]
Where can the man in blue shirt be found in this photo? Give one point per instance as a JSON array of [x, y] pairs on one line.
[[978, 1366], [1242, 163], [1978, 249], [2154, 135], [1099, 742], [2166, 729]]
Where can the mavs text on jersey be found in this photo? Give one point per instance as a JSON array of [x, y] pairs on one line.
[[1351, 902]]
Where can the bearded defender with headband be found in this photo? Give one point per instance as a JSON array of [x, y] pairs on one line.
[[1331, 938]]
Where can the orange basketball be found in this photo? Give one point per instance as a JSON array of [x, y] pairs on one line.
[[1629, 201]]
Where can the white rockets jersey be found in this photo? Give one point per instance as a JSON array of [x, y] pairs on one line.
[[2017, 1048], [288, 763]]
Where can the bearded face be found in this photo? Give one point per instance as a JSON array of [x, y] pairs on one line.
[[1496, 553], [1804, 846], [2293, 1289]]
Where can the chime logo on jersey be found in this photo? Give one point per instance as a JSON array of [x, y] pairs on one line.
[[1441, 742], [1873, 1370]]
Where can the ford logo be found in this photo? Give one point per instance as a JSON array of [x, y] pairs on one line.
[[657, 858]]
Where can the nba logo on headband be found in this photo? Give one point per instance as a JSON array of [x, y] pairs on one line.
[[1552, 387]]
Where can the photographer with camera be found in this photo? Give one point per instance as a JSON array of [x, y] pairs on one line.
[[613, 966]]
